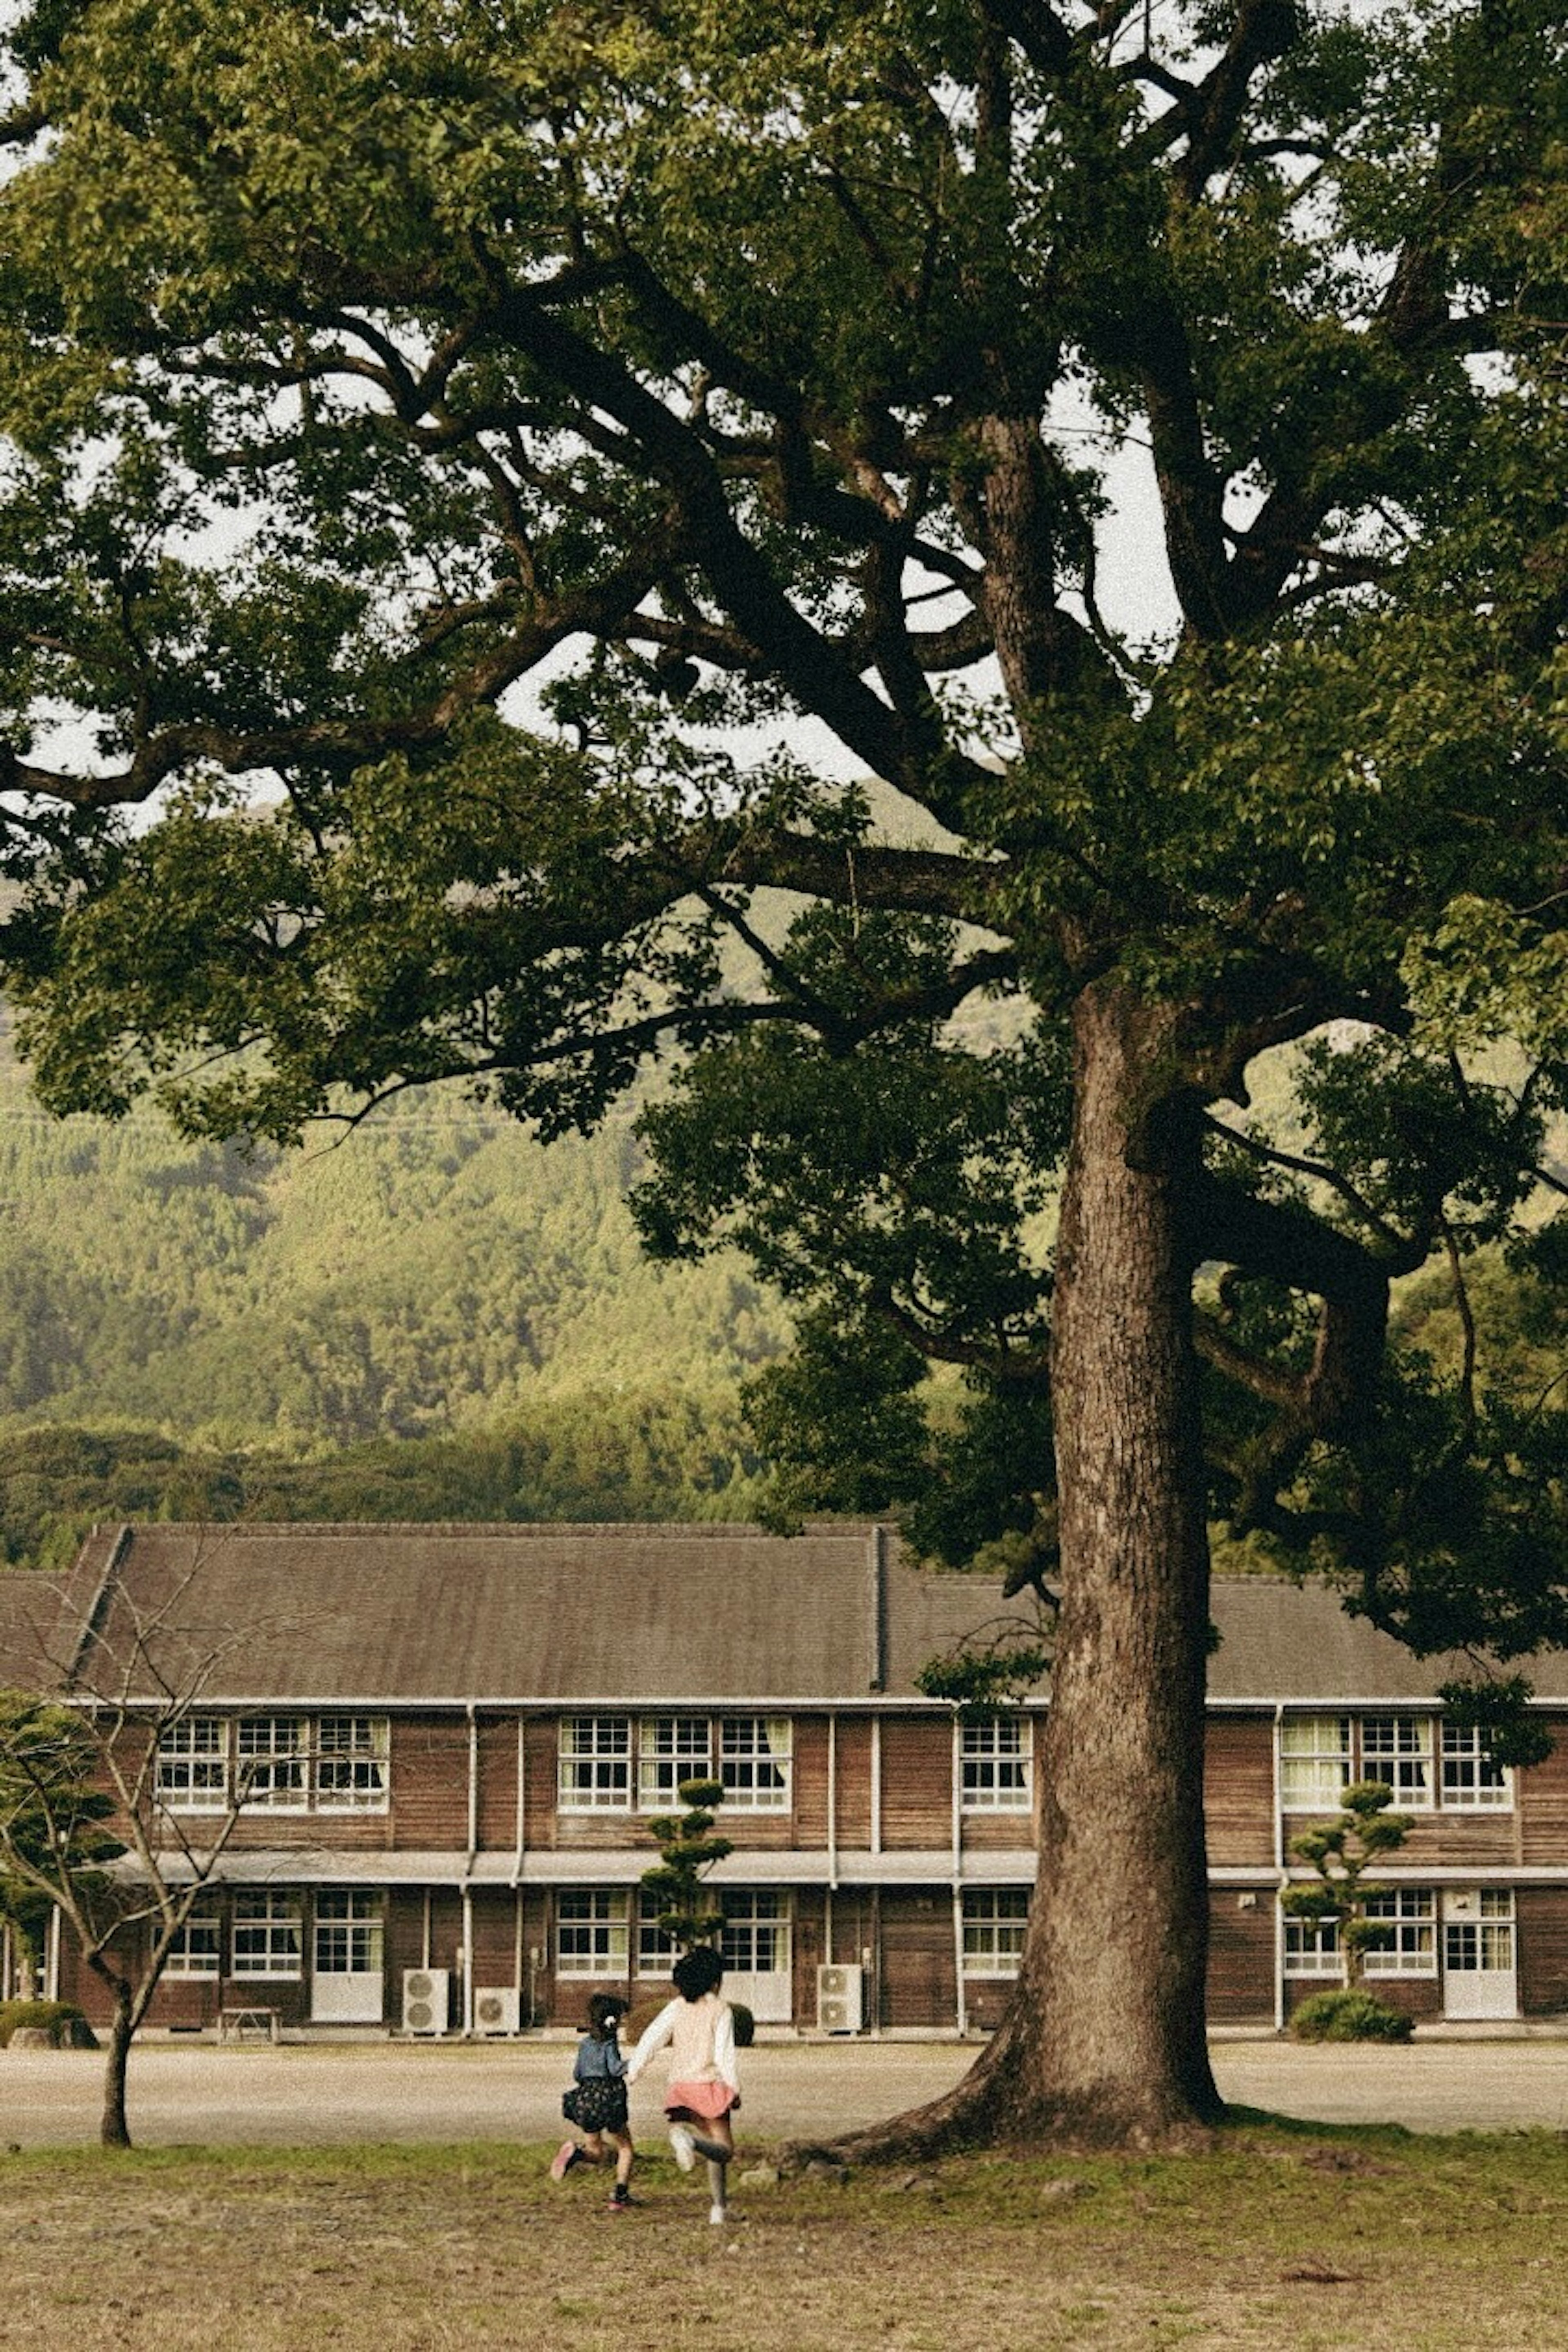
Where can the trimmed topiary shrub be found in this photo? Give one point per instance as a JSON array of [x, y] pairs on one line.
[[65, 2026], [1352, 2015]]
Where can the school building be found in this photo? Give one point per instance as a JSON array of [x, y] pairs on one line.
[[430, 1755]]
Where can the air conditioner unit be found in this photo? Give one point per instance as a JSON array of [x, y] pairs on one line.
[[841, 1999], [497, 2009], [426, 2000]]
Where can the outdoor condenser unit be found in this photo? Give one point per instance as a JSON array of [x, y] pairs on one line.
[[426, 2000], [497, 2009], [841, 1999]]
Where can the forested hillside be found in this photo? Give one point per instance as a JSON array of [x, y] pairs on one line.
[[434, 1271], [435, 1317]]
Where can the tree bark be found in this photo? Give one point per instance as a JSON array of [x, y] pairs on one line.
[[114, 2130], [1104, 2041]]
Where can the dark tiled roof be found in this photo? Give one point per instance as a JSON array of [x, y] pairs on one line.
[[445, 1614], [1282, 1640]]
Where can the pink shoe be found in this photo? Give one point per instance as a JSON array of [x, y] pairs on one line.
[[565, 2157]]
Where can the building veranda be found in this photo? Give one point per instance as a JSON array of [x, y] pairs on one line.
[[446, 1744]]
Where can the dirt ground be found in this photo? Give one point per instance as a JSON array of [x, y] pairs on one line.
[[250, 2095]]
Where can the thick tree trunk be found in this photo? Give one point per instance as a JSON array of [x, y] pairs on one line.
[[1104, 2040]]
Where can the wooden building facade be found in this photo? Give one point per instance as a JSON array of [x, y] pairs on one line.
[[441, 1747]]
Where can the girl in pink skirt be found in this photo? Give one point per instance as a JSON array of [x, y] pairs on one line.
[[704, 2087]]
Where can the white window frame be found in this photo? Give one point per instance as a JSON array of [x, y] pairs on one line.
[[759, 1914], [191, 1774], [1312, 1948], [656, 1953], [267, 1937], [1411, 1911], [756, 1762], [1398, 1750], [195, 1955], [351, 1926], [1314, 1762], [592, 1931], [272, 1763], [1471, 1781], [356, 1759], [594, 1764], [995, 1765], [994, 1919], [671, 1748]]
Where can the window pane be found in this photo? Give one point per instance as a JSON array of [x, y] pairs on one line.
[[351, 1763], [1398, 1750], [755, 1761], [994, 1922], [756, 1940], [1314, 1762], [595, 1763], [268, 1940], [591, 1933], [272, 1759], [994, 1765], [193, 1764], [348, 1940], [1471, 1780], [1411, 1914], [671, 1748], [195, 1950]]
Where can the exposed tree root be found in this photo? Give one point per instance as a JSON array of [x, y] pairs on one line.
[[978, 2114]]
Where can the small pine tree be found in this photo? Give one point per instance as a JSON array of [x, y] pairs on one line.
[[1340, 1851], [689, 1850]]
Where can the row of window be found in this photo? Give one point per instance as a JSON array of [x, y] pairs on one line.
[[618, 1763], [1426, 1763], [594, 1934], [621, 1763], [266, 1936], [291, 1763], [1409, 1914]]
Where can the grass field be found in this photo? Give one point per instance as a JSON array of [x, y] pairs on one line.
[[1299, 2236]]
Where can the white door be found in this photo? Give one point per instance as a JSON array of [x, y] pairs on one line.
[[348, 1981], [1481, 1976], [756, 1948]]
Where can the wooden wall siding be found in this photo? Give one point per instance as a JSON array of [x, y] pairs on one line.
[[495, 1956], [288, 1832], [1238, 1788], [1489, 1841], [985, 2000], [917, 1978], [430, 1770], [993, 1832], [404, 1946], [541, 1738], [1542, 1795], [810, 1951], [1543, 1934], [498, 1783], [855, 1781], [1241, 1957], [807, 1818], [916, 1782], [854, 1926]]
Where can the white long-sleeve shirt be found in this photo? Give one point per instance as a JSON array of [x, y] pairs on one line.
[[701, 2038]]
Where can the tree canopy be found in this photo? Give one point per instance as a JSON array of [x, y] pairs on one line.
[[555, 446]]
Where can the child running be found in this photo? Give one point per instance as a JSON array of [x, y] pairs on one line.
[[704, 2087], [597, 2101]]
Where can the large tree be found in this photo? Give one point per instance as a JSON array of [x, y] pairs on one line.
[[551, 448]]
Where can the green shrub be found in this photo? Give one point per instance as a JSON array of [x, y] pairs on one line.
[[1350, 2015], [745, 2025], [68, 2028]]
